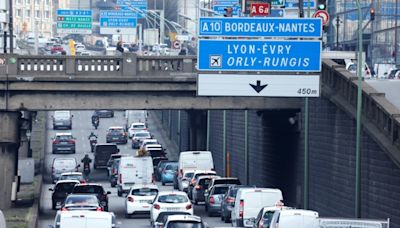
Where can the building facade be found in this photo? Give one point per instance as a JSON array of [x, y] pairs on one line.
[[33, 16]]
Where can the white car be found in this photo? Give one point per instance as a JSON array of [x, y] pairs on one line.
[[140, 198], [146, 142], [136, 127], [167, 201], [185, 221], [80, 47], [183, 183]]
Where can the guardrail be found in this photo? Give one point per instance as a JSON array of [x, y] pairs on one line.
[[375, 107], [128, 64]]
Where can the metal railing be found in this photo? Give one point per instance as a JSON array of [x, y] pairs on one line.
[[128, 64]]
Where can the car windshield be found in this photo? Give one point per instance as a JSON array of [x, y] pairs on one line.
[[65, 187], [183, 224], [88, 189], [74, 199], [142, 135], [220, 190], [138, 126], [172, 198], [117, 131], [71, 177], [189, 175], [144, 192], [64, 137], [171, 167]]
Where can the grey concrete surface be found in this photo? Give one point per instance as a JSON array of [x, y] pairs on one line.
[[81, 129], [391, 88]]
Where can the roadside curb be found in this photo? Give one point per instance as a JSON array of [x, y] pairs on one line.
[[33, 216]]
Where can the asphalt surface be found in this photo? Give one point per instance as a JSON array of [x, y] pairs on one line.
[[391, 88], [80, 130]]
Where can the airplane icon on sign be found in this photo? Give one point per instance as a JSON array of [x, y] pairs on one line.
[[215, 61]]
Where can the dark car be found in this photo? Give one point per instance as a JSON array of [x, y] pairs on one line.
[[160, 167], [117, 135], [202, 183], [228, 202], [84, 202], [105, 113], [156, 152], [93, 189], [60, 191], [63, 142], [57, 48], [102, 153], [157, 160], [111, 161], [224, 180]]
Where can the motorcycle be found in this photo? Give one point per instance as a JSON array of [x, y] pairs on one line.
[[96, 123], [86, 170], [93, 143]]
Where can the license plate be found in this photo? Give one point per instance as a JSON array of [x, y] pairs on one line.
[[115, 138], [172, 209], [64, 143], [145, 206]]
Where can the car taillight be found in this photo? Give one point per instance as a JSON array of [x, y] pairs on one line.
[[113, 171], [83, 181], [99, 209], [71, 141], [130, 199], [193, 181], [198, 187], [261, 223], [212, 200], [157, 206], [189, 206], [230, 200], [64, 209], [56, 141], [241, 207]]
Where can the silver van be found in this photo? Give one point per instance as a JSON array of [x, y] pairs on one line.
[[63, 165], [62, 119]]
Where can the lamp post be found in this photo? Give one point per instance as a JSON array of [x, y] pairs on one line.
[[337, 31], [359, 106]]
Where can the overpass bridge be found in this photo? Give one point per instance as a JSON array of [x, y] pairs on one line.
[[159, 83]]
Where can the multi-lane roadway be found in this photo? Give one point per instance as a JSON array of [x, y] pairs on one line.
[[81, 129]]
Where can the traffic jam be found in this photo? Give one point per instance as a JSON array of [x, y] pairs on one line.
[[167, 193]]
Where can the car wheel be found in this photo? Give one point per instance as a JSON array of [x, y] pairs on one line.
[[222, 216], [163, 183], [112, 185], [226, 219], [106, 208], [195, 202], [210, 214], [127, 215], [53, 206], [94, 166], [119, 193], [206, 208]]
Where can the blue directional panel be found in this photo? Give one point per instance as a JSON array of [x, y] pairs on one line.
[[259, 55]]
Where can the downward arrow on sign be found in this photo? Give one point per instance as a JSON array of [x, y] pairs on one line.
[[258, 87]]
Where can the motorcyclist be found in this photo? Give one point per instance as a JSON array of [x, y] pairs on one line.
[[95, 119], [86, 165], [92, 140]]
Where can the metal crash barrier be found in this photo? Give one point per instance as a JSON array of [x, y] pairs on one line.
[[353, 223]]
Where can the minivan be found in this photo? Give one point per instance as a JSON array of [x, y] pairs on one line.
[[63, 165], [134, 170], [195, 160], [102, 153], [249, 202], [84, 219], [62, 119]]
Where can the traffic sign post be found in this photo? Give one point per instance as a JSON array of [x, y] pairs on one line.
[[258, 85], [74, 21], [259, 55], [118, 22], [324, 15], [260, 27]]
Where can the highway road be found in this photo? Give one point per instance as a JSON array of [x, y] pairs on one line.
[[391, 88], [80, 130]]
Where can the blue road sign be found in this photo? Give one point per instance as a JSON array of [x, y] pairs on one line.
[[294, 4], [66, 12], [138, 4], [220, 5], [117, 13], [259, 55], [118, 22], [277, 13], [261, 27]]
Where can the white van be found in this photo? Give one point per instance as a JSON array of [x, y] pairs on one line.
[[62, 119], [195, 160], [63, 165], [135, 116], [295, 218], [134, 170], [84, 219], [249, 202]]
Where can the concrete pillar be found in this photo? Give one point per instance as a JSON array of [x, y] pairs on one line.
[[197, 129], [9, 144]]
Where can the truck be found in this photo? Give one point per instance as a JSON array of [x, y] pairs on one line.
[[151, 36]]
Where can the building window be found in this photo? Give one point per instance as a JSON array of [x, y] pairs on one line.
[[37, 14], [47, 14], [19, 13], [28, 13]]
